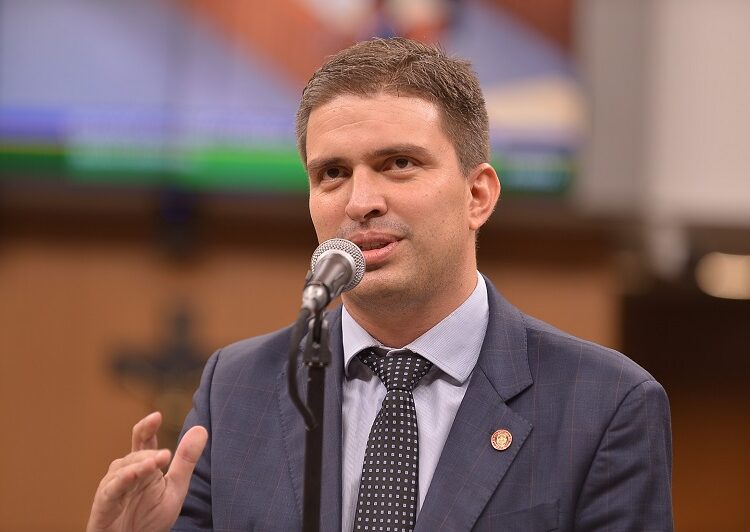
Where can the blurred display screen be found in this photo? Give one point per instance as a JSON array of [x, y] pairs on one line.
[[201, 94]]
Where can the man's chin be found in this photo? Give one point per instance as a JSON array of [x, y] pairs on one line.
[[376, 285]]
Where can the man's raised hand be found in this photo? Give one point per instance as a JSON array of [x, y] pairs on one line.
[[135, 495]]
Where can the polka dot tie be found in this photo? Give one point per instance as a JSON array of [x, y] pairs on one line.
[[387, 498]]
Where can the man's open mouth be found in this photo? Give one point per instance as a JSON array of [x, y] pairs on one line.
[[372, 245]]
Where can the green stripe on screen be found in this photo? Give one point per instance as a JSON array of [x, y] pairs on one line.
[[265, 169]]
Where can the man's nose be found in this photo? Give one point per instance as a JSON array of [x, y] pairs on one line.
[[366, 198]]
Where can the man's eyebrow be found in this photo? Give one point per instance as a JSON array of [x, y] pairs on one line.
[[402, 149], [323, 162], [413, 150]]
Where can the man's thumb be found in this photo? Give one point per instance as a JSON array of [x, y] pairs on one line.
[[186, 456]]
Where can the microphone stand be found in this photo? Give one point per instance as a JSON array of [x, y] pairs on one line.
[[336, 266], [316, 357]]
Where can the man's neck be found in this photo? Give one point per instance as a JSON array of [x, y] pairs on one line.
[[398, 323]]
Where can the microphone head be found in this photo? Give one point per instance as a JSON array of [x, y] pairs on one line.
[[347, 248]]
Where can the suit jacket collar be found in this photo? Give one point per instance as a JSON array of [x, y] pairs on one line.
[[504, 358], [470, 469]]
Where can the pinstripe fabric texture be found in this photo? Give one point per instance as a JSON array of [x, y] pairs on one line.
[[591, 445]]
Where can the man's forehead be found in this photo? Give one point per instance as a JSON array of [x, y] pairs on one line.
[[382, 110], [369, 124], [372, 127]]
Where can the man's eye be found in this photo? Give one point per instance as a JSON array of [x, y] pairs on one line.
[[332, 173], [401, 162]]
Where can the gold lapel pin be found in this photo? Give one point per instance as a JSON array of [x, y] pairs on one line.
[[501, 439]]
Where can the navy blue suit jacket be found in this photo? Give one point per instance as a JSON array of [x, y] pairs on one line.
[[591, 446]]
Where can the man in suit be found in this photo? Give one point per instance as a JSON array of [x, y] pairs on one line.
[[521, 426]]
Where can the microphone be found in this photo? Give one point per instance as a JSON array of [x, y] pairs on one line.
[[337, 265]]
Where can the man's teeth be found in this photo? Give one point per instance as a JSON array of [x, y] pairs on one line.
[[372, 245]]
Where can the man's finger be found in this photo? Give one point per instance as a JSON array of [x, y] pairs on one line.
[[144, 432], [116, 487], [185, 457], [161, 458], [123, 478]]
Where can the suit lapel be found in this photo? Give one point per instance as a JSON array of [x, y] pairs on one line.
[[470, 469], [293, 430]]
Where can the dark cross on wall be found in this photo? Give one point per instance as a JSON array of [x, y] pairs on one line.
[[169, 373]]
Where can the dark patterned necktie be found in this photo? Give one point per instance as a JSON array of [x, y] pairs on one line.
[[390, 476]]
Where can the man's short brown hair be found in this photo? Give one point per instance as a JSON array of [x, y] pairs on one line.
[[404, 67]]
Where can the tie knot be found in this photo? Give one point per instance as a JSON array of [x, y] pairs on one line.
[[401, 371]]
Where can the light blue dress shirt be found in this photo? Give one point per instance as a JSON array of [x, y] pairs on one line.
[[453, 347]]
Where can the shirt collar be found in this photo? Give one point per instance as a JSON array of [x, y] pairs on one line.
[[452, 345]]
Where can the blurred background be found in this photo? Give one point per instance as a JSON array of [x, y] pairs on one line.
[[153, 208]]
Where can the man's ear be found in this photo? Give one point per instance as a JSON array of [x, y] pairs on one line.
[[484, 190]]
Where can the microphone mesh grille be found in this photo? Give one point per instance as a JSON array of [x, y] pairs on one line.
[[348, 247]]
